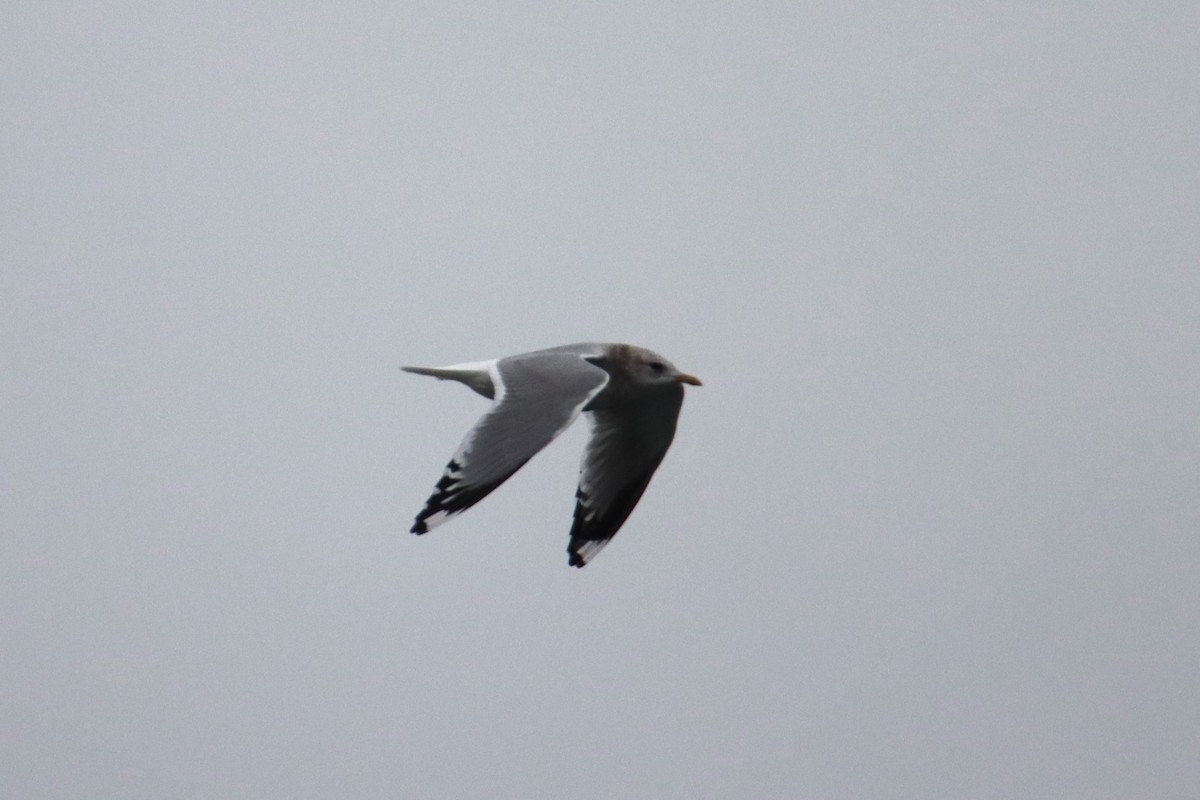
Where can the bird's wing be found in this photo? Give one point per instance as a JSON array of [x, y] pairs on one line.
[[626, 446], [536, 397]]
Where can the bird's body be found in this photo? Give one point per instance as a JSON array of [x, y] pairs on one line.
[[632, 398]]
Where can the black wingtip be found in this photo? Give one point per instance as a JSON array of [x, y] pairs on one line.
[[419, 527], [576, 560]]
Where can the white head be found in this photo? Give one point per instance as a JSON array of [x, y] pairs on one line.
[[646, 366]]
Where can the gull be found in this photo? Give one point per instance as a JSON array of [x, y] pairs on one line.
[[631, 397]]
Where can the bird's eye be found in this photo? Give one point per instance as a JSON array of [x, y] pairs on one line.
[[657, 366]]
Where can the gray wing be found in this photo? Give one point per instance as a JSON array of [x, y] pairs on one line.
[[626, 447], [537, 396]]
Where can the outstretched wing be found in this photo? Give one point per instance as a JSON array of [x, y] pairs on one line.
[[626, 446], [536, 397]]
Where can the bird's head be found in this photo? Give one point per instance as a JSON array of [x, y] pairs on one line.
[[646, 366]]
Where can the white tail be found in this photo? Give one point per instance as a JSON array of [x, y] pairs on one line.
[[477, 375]]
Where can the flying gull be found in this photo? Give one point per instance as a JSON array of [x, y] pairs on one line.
[[631, 397]]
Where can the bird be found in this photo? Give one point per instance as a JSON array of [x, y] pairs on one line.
[[631, 397]]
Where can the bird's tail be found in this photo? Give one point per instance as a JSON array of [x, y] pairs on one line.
[[477, 376]]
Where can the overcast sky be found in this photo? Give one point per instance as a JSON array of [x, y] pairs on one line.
[[929, 529]]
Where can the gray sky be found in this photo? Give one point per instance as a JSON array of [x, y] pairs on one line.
[[929, 530]]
